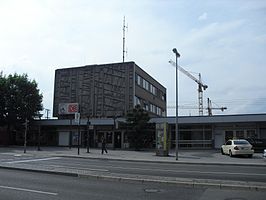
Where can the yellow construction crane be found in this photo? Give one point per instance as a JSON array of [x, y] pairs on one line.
[[201, 86]]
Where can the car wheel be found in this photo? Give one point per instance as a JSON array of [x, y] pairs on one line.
[[230, 153], [222, 151]]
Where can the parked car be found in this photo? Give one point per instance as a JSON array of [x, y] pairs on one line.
[[264, 154], [237, 147], [258, 144]]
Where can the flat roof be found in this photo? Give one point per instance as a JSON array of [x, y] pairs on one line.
[[245, 118]]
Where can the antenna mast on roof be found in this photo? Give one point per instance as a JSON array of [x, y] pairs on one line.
[[124, 38]]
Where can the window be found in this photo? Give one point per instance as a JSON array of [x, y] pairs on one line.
[[251, 134], [241, 142], [229, 135], [152, 89], [240, 134], [136, 100], [228, 143], [146, 84], [143, 83], [159, 111], [163, 97], [138, 79], [146, 107], [109, 137], [153, 108]]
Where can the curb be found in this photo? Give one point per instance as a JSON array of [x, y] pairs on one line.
[[167, 162], [40, 171], [183, 183], [200, 183]]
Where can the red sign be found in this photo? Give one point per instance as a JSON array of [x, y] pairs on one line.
[[73, 108]]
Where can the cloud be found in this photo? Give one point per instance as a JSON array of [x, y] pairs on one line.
[[202, 17], [41, 36]]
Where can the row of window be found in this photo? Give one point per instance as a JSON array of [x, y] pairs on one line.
[[240, 134], [149, 106], [149, 87]]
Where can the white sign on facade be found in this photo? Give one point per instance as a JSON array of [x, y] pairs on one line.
[[68, 108]]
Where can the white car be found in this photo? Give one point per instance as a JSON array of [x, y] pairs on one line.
[[237, 147], [264, 154]]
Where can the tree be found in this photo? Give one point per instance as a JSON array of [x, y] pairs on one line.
[[3, 90], [20, 99], [137, 121]]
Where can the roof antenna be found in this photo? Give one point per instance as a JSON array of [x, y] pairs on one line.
[[124, 38]]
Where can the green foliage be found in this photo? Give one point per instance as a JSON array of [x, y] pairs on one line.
[[3, 91], [19, 99], [137, 122]]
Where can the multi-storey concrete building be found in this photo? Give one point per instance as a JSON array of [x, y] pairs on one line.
[[108, 90]]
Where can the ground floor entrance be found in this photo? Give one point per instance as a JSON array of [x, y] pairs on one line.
[[194, 135]]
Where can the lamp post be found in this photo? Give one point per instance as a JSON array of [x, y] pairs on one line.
[[25, 135], [39, 132], [88, 134], [177, 55]]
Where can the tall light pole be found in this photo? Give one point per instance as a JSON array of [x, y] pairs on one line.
[[177, 55], [88, 134]]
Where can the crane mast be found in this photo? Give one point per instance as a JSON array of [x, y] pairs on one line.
[[210, 108], [201, 86]]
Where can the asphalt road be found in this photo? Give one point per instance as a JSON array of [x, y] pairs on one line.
[[22, 185], [195, 171]]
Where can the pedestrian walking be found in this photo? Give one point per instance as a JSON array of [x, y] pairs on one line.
[[104, 145]]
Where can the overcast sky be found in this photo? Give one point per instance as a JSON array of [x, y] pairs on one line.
[[224, 40]]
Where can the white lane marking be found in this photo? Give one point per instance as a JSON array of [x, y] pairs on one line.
[[33, 160], [59, 166], [12, 154], [79, 168], [28, 190]]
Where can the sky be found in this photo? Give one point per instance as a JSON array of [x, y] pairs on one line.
[[224, 40]]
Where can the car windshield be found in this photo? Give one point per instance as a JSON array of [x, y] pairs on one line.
[[241, 142]]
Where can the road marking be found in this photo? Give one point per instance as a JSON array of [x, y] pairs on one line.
[[59, 166], [79, 168], [33, 160], [28, 190]]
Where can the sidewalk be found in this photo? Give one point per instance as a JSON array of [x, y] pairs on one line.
[[184, 156]]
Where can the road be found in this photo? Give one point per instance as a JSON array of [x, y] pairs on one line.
[[23, 185], [149, 169]]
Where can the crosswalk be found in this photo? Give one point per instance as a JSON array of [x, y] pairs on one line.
[[12, 158], [33, 160]]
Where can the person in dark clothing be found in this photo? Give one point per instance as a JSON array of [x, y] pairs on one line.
[[104, 145]]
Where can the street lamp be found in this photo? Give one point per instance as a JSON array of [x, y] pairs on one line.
[[39, 131], [88, 134], [177, 55]]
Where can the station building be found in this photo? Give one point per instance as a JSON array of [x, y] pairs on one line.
[[195, 132], [107, 91], [103, 94]]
